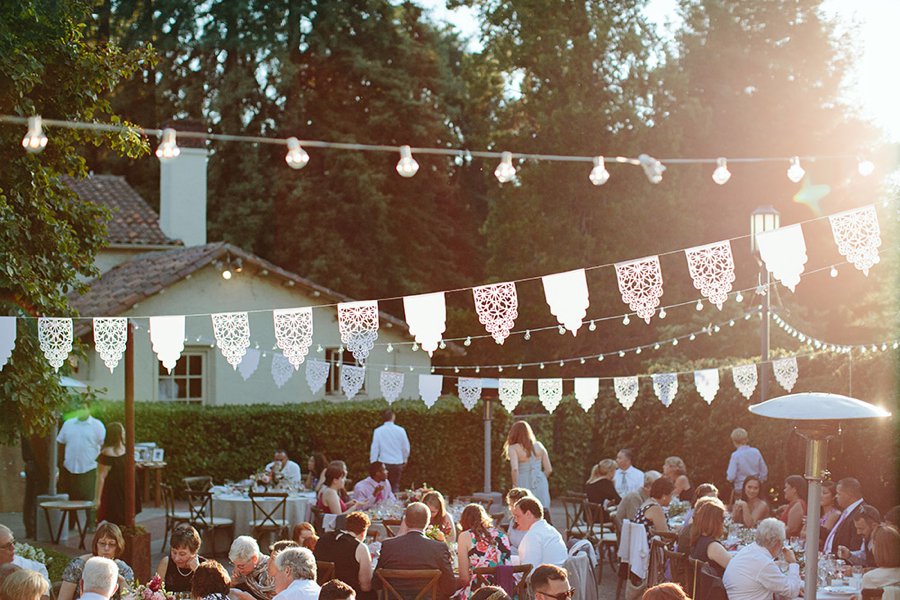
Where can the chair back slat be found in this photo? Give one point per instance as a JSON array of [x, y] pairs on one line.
[[574, 510], [391, 526], [201, 508], [197, 483], [678, 567], [389, 592], [265, 518], [487, 576]]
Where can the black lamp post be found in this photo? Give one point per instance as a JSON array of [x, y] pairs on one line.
[[764, 218]]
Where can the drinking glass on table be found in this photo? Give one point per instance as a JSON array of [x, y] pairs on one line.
[[856, 575]]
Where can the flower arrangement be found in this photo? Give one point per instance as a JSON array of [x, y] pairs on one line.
[[153, 590], [434, 532], [30, 552], [677, 508], [416, 495]]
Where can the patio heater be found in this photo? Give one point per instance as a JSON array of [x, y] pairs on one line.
[[763, 219], [817, 418]]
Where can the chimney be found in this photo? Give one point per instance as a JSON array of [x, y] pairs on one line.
[[182, 188]]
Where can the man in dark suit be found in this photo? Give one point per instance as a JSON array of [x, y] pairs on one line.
[[866, 520], [849, 497], [412, 550]]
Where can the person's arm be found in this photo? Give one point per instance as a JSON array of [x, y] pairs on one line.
[[763, 468], [162, 566], [529, 552], [405, 447], [783, 585], [375, 449], [102, 472], [462, 555], [795, 520], [451, 537], [717, 553], [759, 513], [365, 567], [731, 471], [545, 461], [67, 591], [513, 464], [447, 583], [737, 512]]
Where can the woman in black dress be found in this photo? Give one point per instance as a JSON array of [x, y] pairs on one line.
[[111, 477], [600, 487], [177, 569]]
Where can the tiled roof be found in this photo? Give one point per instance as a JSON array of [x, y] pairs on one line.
[[133, 221]]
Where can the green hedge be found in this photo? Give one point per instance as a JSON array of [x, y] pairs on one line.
[[447, 441]]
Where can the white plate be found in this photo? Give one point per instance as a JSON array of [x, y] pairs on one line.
[[847, 590]]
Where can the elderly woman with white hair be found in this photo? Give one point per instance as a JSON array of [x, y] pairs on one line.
[[295, 575], [250, 573], [752, 574]]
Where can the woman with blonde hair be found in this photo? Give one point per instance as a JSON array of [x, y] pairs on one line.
[[675, 469], [24, 584], [600, 488], [480, 545], [529, 461]]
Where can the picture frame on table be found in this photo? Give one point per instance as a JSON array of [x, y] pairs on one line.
[[159, 454]]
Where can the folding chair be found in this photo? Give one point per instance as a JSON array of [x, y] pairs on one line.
[[324, 571], [269, 520], [487, 576], [202, 517], [173, 517], [389, 592]]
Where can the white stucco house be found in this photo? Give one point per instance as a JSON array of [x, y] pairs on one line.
[[162, 265]]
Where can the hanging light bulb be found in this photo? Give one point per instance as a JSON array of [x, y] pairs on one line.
[[656, 346], [621, 354], [35, 140], [390, 348], [168, 147], [505, 171], [699, 305], [581, 361], [319, 348], [415, 347], [653, 169], [519, 366], [731, 323], [456, 369], [662, 313], [834, 272], [442, 345], [693, 337], [500, 369], [721, 175], [599, 175], [795, 172], [562, 330], [638, 351], [592, 326], [600, 358], [407, 166], [626, 320], [739, 298], [226, 274], [468, 341], [560, 363], [675, 342], [432, 369], [527, 335], [478, 369], [542, 365], [296, 156], [865, 167]]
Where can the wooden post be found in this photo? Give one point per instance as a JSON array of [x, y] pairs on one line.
[[129, 428]]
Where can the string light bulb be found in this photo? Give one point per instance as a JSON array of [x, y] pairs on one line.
[[739, 298], [653, 169], [834, 272], [795, 172], [168, 148], [626, 320], [662, 313], [35, 139], [699, 305], [296, 156], [562, 330], [599, 175], [468, 341], [505, 171], [390, 348], [865, 167], [226, 274], [407, 166], [592, 326], [600, 358], [721, 175], [527, 335]]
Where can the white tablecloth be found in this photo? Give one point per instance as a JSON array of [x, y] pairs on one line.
[[239, 509]]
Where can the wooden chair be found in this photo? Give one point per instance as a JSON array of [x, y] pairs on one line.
[[485, 502], [388, 592], [602, 534], [693, 575], [324, 572], [872, 593], [202, 517], [668, 537], [487, 576], [679, 566], [656, 573], [316, 518], [577, 494], [574, 510], [173, 517], [269, 520], [197, 483], [391, 526]]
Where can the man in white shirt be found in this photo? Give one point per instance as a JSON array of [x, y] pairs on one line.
[[295, 575], [284, 468], [82, 436], [627, 478], [99, 579], [391, 447], [542, 543], [8, 554], [753, 573]]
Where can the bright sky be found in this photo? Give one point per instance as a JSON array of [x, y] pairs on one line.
[[874, 85]]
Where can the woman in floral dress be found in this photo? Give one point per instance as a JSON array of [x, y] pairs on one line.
[[479, 545]]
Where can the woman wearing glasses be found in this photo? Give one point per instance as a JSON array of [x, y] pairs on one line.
[[108, 543]]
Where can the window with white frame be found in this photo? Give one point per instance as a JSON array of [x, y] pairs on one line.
[[336, 358], [187, 381]]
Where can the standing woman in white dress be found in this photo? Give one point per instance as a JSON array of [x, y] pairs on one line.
[[529, 462]]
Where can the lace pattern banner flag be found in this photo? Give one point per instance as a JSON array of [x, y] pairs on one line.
[[712, 269], [640, 283], [167, 337], [586, 391], [510, 393], [232, 331], [665, 386], [786, 372], [550, 393], [497, 307], [110, 338], [282, 369], [469, 391], [626, 389], [391, 384], [55, 337], [858, 236], [784, 252], [316, 374], [249, 363], [7, 339], [358, 323], [352, 380], [567, 295], [707, 384], [293, 333], [744, 379], [430, 388], [426, 315]]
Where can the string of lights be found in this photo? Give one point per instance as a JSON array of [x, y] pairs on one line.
[[830, 346]]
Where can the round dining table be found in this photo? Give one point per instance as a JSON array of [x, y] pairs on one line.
[[237, 507]]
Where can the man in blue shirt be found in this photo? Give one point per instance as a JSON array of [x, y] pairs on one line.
[[745, 461]]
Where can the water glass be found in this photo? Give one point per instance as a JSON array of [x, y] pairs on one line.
[[856, 578]]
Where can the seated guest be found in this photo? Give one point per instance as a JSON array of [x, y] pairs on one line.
[[551, 582], [99, 579], [336, 590], [490, 592], [684, 535], [305, 535], [542, 543], [480, 545], [849, 499], [330, 499], [752, 573], [829, 511], [709, 526], [24, 584], [675, 469], [704, 490], [284, 468], [413, 550], [373, 489], [315, 471], [665, 591], [793, 512], [345, 548], [440, 518], [211, 582], [886, 557], [627, 478], [274, 550], [108, 543], [651, 514], [514, 532], [866, 519], [251, 569], [750, 509], [295, 575], [8, 554], [632, 501], [600, 488], [177, 569]]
